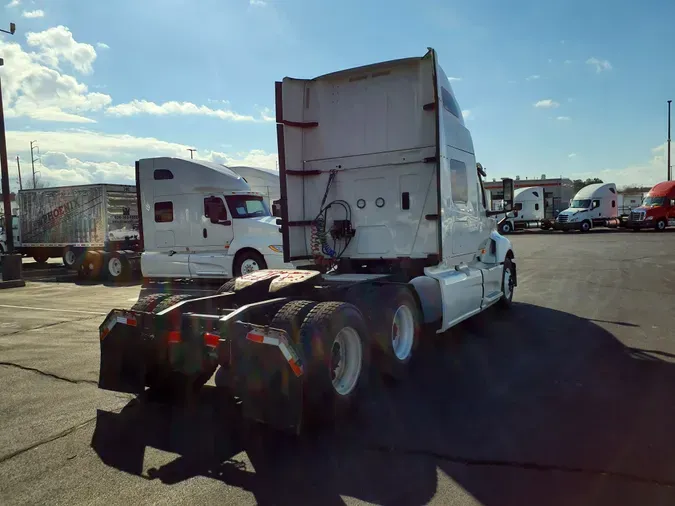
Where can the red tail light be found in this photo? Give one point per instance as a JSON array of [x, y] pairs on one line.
[[173, 337], [211, 340]]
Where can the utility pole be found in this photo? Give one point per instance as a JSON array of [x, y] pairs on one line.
[[4, 169], [33, 145], [191, 150], [18, 168], [670, 168]]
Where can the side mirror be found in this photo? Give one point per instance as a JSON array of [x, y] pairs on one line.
[[276, 208], [507, 189]]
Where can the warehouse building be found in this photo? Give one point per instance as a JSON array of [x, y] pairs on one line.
[[557, 192]]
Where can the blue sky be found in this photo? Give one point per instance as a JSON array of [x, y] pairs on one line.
[[99, 84]]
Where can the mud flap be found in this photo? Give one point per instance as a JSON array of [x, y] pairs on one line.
[[123, 354], [268, 375]]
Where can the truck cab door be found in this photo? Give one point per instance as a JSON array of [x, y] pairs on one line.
[[211, 239], [167, 253], [671, 210]]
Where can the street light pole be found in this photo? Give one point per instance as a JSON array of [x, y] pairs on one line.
[[191, 150], [9, 235]]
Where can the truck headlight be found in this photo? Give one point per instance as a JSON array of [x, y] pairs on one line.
[[649, 218], [277, 249]]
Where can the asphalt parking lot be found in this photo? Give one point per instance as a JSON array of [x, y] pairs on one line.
[[567, 399]]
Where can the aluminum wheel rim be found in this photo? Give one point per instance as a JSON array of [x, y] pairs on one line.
[[403, 332], [70, 257], [346, 359], [249, 265], [585, 226], [661, 225], [115, 266], [506, 227]]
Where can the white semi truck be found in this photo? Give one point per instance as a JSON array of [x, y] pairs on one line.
[[594, 205], [528, 211], [200, 220], [381, 190], [84, 225]]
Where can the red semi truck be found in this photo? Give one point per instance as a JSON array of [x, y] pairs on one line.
[[657, 209]]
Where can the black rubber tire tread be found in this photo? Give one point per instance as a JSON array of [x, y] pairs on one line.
[[41, 259], [170, 301], [391, 298], [240, 257], [147, 304], [228, 286], [665, 225], [291, 316], [504, 302], [501, 228], [581, 229], [321, 403]]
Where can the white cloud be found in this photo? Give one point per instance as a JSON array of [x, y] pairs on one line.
[[32, 88], [14, 3], [56, 45], [136, 107], [572, 155], [564, 118], [454, 79], [33, 14], [102, 45], [466, 114], [648, 173], [546, 104], [83, 156], [532, 78], [600, 65], [258, 3]]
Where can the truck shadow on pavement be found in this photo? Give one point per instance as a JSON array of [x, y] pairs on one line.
[[535, 406]]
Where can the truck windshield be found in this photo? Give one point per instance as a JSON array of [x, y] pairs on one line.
[[247, 206], [654, 201], [581, 204]]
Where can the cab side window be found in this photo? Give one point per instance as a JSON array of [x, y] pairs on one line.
[[163, 212], [596, 204], [536, 207], [458, 182], [518, 206], [214, 209]]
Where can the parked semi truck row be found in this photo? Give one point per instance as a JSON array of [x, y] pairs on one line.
[[381, 191]]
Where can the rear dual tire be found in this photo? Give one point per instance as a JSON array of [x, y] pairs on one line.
[[331, 338]]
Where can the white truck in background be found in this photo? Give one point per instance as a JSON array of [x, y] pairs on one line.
[[93, 228], [529, 211], [379, 189], [200, 220], [263, 181], [594, 205]]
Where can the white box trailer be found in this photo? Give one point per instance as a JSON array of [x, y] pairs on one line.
[[381, 189], [595, 205], [94, 228]]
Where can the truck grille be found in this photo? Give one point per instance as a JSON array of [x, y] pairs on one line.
[[562, 218], [637, 215]]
